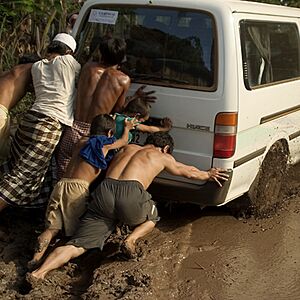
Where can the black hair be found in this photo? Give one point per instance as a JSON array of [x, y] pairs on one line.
[[58, 47], [102, 124], [160, 139], [138, 106], [112, 50], [28, 58]]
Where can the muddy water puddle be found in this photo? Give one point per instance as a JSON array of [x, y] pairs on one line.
[[244, 259], [192, 254]]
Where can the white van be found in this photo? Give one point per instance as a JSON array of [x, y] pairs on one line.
[[226, 72]]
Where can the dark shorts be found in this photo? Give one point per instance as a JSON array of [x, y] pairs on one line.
[[112, 202]]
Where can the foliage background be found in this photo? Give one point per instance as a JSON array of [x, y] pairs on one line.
[[26, 26]]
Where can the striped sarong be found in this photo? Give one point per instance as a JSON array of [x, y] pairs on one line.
[[27, 182], [69, 139]]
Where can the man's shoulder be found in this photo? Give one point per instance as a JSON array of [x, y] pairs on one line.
[[20, 70], [92, 67], [22, 67], [115, 72], [71, 60], [131, 148]]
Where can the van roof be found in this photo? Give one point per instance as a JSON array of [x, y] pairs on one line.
[[243, 6], [235, 6]]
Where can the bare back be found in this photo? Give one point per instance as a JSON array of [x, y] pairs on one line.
[[110, 93], [90, 75], [14, 85], [138, 163]]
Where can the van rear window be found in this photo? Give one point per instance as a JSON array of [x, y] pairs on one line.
[[165, 47], [270, 52]]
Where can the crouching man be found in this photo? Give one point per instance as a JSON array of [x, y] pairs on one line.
[[122, 197]]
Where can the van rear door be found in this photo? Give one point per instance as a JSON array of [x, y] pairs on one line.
[[174, 52]]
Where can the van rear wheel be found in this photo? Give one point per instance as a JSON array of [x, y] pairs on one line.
[[265, 192]]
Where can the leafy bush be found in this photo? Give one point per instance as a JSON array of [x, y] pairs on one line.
[[27, 26]]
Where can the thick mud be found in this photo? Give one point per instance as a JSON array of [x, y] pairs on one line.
[[192, 254]]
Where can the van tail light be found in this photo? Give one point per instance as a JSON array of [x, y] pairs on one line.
[[225, 135]]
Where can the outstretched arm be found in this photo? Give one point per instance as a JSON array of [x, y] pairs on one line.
[[179, 169], [166, 126]]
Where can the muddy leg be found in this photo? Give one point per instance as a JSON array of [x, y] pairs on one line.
[[44, 240], [128, 247], [56, 259]]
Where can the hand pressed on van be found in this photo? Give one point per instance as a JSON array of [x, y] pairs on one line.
[[141, 94], [217, 174]]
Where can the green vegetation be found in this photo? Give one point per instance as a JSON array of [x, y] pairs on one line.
[[26, 26]]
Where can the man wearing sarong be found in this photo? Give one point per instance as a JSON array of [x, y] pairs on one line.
[[122, 197], [41, 127], [101, 90], [14, 85]]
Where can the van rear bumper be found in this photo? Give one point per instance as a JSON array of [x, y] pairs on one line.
[[208, 194]]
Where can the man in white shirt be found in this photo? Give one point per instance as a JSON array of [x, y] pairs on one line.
[[40, 130]]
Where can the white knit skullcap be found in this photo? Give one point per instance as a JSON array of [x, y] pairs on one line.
[[67, 39]]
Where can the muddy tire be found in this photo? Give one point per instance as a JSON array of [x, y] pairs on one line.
[[265, 192]]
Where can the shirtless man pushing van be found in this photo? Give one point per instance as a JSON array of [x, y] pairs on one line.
[[102, 89], [122, 196], [112, 54]]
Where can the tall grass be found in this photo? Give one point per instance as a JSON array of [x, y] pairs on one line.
[[27, 26]]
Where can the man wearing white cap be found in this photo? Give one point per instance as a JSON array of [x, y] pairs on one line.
[[40, 130]]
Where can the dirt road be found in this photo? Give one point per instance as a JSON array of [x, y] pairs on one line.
[[192, 254]]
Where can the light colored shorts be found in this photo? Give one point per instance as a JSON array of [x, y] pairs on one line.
[[4, 133], [67, 203]]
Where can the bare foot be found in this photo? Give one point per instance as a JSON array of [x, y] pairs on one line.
[[34, 281], [128, 249]]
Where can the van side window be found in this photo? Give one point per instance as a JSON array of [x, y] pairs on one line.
[[165, 47], [270, 52]]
